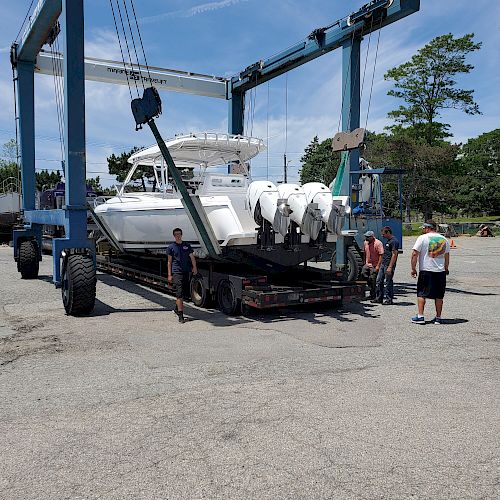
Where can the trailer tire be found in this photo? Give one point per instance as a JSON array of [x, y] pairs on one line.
[[78, 284], [354, 263], [226, 298], [28, 263], [198, 291]]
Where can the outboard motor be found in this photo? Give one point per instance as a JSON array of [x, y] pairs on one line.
[[342, 208], [317, 192], [306, 215], [264, 203]]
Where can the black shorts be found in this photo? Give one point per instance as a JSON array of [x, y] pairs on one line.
[[431, 285], [180, 283]]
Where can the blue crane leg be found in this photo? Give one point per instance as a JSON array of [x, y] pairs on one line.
[[350, 121], [74, 135]]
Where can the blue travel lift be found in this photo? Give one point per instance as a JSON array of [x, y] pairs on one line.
[[76, 275]]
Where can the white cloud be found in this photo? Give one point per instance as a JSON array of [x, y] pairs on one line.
[[193, 11], [103, 44]]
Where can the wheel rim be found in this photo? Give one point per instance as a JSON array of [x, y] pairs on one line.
[[65, 287], [197, 290], [226, 296]]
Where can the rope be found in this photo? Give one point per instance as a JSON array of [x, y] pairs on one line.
[[133, 43], [126, 44], [373, 74], [286, 113], [345, 86], [57, 97], [140, 39], [253, 105], [121, 49], [25, 17], [267, 133], [366, 60], [16, 119]]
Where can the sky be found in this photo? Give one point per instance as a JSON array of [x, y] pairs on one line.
[[223, 37]]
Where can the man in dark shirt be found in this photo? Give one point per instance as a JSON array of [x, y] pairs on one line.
[[385, 284], [181, 262]]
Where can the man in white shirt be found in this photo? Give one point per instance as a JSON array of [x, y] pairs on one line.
[[432, 252]]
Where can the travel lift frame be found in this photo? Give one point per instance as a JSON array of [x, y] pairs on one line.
[[77, 250]]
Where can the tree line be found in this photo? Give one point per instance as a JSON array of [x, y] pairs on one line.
[[453, 179]]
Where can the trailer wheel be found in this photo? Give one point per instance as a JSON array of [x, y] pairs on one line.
[[28, 263], [78, 284], [226, 297], [354, 263], [199, 293]]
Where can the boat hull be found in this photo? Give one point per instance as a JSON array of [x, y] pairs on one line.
[[142, 222]]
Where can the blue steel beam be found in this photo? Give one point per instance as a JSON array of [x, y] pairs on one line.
[[41, 21], [369, 18], [54, 217], [26, 110]]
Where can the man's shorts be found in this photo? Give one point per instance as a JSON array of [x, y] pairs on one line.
[[180, 283], [431, 285]]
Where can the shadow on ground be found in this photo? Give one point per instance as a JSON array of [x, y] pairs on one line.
[[315, 313]]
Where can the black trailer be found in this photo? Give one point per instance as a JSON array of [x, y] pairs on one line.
[[234, 288]]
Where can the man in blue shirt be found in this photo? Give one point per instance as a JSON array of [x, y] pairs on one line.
[[385, 284], [181, 262]]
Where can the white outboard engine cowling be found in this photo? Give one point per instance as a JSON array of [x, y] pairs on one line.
[[306, 215], [264, 202], [317, 192]]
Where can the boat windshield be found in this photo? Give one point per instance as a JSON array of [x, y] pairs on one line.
[[193, 154]]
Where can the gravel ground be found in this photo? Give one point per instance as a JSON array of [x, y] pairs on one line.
[[310, 403]]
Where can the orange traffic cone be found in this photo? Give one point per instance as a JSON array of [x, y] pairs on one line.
[[452, 244]]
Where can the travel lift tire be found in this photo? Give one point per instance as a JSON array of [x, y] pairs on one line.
[[227, 300], [78, 283], [354, 263], [27, 262]]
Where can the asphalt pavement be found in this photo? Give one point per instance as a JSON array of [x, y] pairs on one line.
[[307, 403]]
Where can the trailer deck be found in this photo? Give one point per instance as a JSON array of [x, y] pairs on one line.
[[232, 290]]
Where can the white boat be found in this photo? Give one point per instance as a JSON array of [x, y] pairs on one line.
[[235, 206], [10, 202]]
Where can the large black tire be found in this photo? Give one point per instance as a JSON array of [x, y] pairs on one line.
[[78, 284], [199, 293], [28, 263], [354, 263], [226, 298]]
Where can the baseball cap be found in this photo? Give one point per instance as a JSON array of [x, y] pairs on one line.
[[428, 224], [369, 233]]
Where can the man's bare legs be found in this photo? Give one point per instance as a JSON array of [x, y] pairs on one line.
[[439, 307], [179, 304], [437, 302], [421, 305]]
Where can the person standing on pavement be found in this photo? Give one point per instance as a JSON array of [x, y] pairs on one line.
[[181, 262], [432, 253], [374, 250], [385, 276]]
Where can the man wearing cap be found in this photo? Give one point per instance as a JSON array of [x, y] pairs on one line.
[[385, 276], [432, 253], [374, 250]]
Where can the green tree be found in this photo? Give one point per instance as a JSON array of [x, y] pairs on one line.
[[477, 185], [95, 184], [427, 85], [426, 171], [8, 165], [119, 166], [319, 163], [47, 180]]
